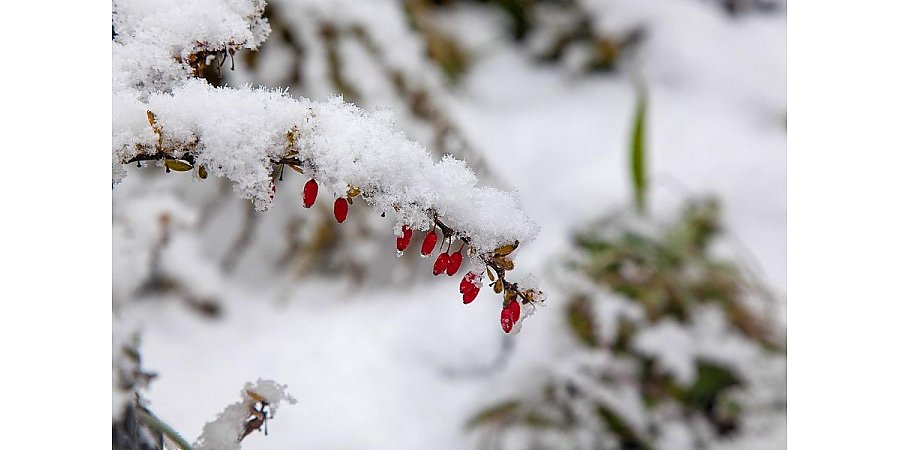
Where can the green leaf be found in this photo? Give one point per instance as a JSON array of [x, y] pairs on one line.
[[638, 150]]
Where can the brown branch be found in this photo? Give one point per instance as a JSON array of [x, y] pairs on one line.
[[189, 158]]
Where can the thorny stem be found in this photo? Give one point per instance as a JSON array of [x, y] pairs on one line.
[[158, 425]]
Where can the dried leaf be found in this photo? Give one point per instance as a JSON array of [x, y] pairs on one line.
[[503, 263], [202, 172], [156, 130], [178, 165], [353, 192], [255, 396], [506, 249], [498, 287], [490, 275]]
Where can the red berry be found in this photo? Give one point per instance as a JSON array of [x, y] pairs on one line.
[[310, 190], [340, 209], [429, 243], [516, 310], [404, 240], [509, 316], [455, 263], [470, 294], [468, 282], [506, 321], [441, 263]]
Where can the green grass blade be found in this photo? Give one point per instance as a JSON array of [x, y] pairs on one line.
[[638, 151]]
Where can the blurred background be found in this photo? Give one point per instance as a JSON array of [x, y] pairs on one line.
[[647, 138]]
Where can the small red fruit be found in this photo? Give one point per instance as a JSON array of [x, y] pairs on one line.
[[469, 282], [310, 190], [509, 316], [429, 242], [441, 263], [455, 263], [470, 294], [516, 310], [404, 240], [506, 321], [340, 209]]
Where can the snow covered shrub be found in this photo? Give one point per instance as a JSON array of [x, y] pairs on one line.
[[367, 52], [671, 346], [170, 121]]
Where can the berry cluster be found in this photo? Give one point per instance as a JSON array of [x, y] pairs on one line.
[[471, 283], [496, 262]]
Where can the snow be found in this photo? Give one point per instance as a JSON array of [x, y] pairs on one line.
[[400, 364], [225, 432], [707, 339], [154, 39], [181, 27]]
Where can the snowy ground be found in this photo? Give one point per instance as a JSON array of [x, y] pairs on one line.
[[388, 368]]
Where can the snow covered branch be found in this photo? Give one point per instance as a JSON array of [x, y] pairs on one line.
[[163, 112], [160, 43], [257, 406]]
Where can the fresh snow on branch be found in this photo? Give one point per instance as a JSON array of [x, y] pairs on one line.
[[184, 27], [159, 43], [165, 113], [258, 404], [240, 134]]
